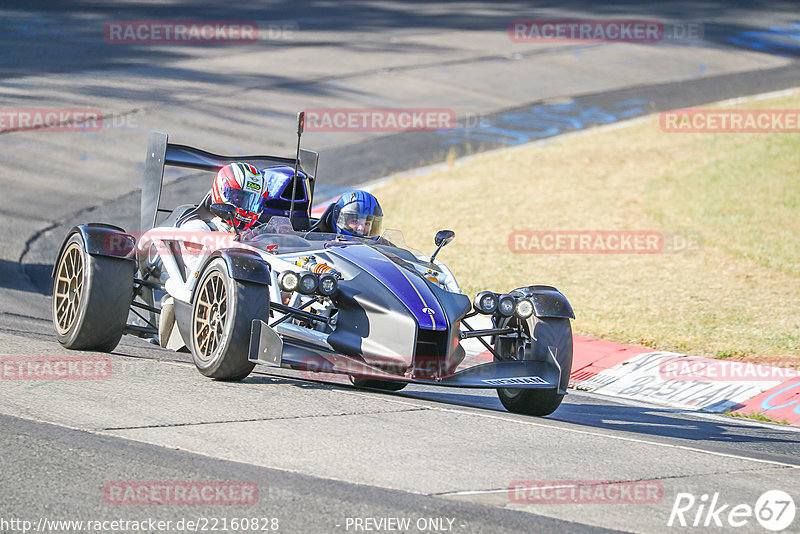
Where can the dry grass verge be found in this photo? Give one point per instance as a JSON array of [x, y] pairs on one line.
[[737, 297]]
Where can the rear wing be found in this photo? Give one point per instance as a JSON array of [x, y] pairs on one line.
[[161, 153]]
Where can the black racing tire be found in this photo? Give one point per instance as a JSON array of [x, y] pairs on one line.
[[388, 385], [91, 297], [546, 332], [222, 312]]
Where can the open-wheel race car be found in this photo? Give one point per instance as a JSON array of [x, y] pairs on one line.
[[284, 294]]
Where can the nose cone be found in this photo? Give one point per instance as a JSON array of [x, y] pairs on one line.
[[412, 291]]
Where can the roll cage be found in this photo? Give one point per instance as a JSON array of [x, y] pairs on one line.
[[161, 153]]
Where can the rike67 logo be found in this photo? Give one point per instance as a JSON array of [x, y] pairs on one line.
[[774, 510]]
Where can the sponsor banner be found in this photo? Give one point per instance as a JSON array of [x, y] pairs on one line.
[[55, 368], [379, 119], [639, 378], [51, 119], [585, 492], [781, 402], [730, 121], [603, 241], [180, 493]]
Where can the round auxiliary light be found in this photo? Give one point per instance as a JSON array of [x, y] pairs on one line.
[[288, 281], [506, 305], [308, 284], [485, 302], [328, 285], [524, 308]]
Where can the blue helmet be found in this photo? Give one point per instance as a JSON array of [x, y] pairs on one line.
[[357, 213]]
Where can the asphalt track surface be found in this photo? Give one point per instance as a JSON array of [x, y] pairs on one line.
[[323, 452]]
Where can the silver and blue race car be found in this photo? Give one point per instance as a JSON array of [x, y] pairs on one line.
[[283, 294]]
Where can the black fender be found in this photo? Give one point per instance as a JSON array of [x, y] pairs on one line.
[[101, 239], [547, 301], [243, 265]]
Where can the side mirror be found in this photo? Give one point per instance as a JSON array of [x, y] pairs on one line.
[[226, 212], [443, 237]]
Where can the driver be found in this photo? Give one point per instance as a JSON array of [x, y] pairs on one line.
[[356, 213], [238, 184]]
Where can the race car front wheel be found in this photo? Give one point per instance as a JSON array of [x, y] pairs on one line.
[[91, 297], [222, 312], [546, 332]]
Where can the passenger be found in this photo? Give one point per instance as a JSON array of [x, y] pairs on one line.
[[356, 213]]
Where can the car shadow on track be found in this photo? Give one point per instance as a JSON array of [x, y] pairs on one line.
[[577, 409], [604, 414], [670, 423], [279, 380]]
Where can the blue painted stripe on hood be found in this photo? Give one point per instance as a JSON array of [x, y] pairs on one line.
[[409, 288]]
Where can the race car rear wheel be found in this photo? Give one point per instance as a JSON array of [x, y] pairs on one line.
[[91, 298], [546, 332], [222, 312], [388, 385]]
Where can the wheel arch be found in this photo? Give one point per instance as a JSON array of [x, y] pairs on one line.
[[100, 239], [243, 266]]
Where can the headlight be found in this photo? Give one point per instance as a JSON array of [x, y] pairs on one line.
[[524, 308], [328, 285], [506, 305], [308, 284], [288, 281], [485, 302]]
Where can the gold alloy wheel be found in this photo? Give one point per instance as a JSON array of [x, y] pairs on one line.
[[210, 315], [68, 289]]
